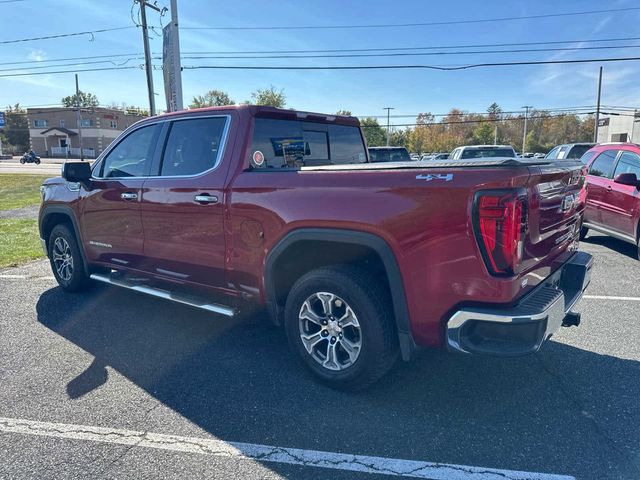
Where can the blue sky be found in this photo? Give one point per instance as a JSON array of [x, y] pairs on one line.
[[362, 92]]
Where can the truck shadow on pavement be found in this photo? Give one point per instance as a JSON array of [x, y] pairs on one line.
[[614, 244], [565, 410]]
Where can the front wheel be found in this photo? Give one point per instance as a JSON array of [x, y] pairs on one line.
[[22, 160], [66, 260], [37, 161], [339, 322]]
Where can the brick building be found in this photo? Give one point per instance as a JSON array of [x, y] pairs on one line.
[[53, 132]]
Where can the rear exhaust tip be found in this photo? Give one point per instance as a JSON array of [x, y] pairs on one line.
[[571, 320]]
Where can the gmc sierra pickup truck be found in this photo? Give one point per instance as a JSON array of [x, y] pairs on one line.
[[249, 208]]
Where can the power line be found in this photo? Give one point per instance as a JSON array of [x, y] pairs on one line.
[[4, 75], [431, 47], [424, 24], [415, 67], [385, 49], [63, 35], [413, 54]]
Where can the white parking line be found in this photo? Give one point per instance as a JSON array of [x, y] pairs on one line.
[[26, 277], [606, 297], [265, 453]]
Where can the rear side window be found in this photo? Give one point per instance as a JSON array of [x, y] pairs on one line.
[[578, 150], [553, 154], [488, 153], [629, 163], [294, 144], [193, 146], [132, 156], [586, 158], [562, 153], [602, 166]]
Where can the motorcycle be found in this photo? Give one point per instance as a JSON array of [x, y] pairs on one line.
[[30, 157]]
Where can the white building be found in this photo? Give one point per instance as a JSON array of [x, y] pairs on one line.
[[619, 128]]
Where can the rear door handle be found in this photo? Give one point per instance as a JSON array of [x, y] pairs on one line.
[[205, 198], [129, 196]]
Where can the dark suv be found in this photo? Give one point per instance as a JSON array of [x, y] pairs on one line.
[[613, 199]]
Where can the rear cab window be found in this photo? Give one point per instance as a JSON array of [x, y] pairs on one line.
[[389, 155], [279, 143]]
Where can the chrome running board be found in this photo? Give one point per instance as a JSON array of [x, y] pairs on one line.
[[167, 295]]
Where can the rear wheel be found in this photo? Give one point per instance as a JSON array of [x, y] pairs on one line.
[[22, 160], [66, 260], [338, 321], [37, 161]]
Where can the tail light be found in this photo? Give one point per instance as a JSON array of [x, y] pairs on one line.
[[500, 219]]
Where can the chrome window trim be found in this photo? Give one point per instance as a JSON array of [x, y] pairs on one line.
[[134, 127]]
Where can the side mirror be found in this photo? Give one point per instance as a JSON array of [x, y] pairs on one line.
[[628, 179], [77, 172]]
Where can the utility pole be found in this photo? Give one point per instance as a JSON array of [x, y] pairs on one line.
[[524, 135], [495, 134], [595, 130], [147, 53], [79, 119], [176, 39], [388, 109]]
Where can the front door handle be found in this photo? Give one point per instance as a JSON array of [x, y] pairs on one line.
[[129, 196], [205, 198]]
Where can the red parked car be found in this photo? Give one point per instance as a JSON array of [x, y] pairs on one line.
[[248, 208], [613, 195]]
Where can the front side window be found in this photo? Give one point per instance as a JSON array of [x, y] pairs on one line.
[[602, 166], [193, 146], [131, 157], [294, 144], [629, 163]]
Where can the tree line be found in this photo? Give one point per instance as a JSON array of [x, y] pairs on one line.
[[544, 130]]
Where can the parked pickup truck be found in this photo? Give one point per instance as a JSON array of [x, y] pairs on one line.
[[242, 208]]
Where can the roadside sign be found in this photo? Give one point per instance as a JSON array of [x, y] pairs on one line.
[[2, 120]]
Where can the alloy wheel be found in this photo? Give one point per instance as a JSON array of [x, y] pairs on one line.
[[62, 259], [330, 331]]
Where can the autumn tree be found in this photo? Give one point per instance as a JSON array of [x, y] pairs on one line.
[[346, 113], [269, 96], [483, 133], [16, 129], [374, 134], [80, 99], [213, 98]]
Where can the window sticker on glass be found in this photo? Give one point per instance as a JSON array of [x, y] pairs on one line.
[[258, 158], [291, 148]]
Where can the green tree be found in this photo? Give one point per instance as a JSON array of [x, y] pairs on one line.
[[483, 133], [494, 110], [374, 134], [269, 97], [213, 98], [16, 130], [82, 99], [399, 138], [346, 113]]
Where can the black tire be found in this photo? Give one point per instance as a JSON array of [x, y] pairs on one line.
[[371, 305], [583, 232], [22, 161], [74, 279], [37, 162]]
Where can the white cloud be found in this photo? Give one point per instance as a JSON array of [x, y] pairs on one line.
[[37, 55]]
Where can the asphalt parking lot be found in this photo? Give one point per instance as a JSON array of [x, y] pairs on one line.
[[113, 384]]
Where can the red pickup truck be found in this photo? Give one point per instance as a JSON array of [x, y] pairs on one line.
[[240, 208]]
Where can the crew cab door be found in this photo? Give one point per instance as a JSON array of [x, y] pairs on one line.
[[598, 183], [183, 203], [621, 200], [110, 211]]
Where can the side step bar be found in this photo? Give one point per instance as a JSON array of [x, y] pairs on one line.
[[167, 295]]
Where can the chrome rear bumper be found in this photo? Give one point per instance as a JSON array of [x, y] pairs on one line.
[[523, 329]]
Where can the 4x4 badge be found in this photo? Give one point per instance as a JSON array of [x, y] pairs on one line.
[[447, 177]]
